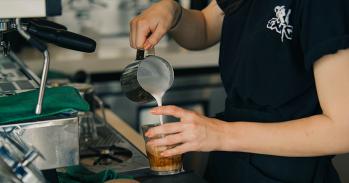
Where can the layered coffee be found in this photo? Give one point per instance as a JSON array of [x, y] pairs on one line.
[[159, 163]]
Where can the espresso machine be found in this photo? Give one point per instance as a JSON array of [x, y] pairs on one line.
[[28, 147]]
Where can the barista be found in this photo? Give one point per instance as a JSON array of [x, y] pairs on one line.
[[285, 69]]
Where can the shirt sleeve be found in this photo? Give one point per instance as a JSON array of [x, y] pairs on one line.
[[324, 28], [223, 4], [229, 6]]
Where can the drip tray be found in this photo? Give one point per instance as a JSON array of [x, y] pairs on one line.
[[112, 151], [106, 156]]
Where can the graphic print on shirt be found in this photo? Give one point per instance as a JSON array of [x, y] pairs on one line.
[[281, 24]]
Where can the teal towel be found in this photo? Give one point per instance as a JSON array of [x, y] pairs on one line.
[[21, 107], [79, 174]]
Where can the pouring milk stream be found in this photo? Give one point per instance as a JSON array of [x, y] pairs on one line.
[[155, 78]]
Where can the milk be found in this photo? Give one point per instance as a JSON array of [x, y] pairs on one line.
[[155, 78], [158, 98], [157, 89]]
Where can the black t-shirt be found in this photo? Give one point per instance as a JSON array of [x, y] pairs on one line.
[[268, 48]]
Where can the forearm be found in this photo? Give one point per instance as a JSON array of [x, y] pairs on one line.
[[313, 136], [198, 30], [191, 32]]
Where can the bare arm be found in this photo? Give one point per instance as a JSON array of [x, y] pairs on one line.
[[318, 135], [199, 29], [195, 29], [323, 134]]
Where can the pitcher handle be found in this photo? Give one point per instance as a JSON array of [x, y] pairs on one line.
[[140, 54]]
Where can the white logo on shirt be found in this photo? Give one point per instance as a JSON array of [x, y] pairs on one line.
[[281, 23]]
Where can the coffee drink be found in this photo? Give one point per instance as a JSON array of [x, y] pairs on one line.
[[158, 164]]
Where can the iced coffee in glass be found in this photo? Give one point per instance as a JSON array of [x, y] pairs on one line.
[[160, 165]]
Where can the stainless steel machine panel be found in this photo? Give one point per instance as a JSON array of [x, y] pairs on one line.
[[57, 141], [57, 138]]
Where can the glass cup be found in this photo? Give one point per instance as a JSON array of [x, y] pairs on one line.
[[160, 165]]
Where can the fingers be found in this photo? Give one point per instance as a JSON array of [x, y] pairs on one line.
[[165, 129], [170, 111], [168, 140], [142, 33], [145, 32], [133, 33], [184, 132], [157, 20], [139, 33], [180, 149]]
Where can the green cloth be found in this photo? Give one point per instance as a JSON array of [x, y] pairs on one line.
[[79, 174], [21, 107]]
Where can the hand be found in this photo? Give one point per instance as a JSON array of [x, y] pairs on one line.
[[194, 132], [152, 24]]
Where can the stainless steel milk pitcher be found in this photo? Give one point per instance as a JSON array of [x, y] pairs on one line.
[[149, 66]]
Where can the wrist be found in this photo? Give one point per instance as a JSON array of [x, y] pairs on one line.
[[229, 137], [177, 14], [220, 135]]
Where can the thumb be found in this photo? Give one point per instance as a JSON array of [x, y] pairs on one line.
[[155, 37]]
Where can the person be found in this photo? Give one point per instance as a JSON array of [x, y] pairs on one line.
[[285, 69]]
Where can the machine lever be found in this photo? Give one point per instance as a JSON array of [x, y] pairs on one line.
[[64, 39], [46, 23]]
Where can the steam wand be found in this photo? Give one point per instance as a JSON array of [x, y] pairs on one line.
[[43, 49]]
